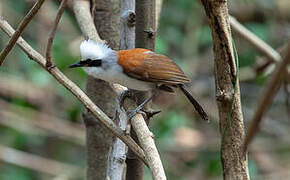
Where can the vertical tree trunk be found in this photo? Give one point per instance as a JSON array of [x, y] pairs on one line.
[[116, 169], [145, 38], [135, 167], [234, 163], [106, 16], [145, 24]]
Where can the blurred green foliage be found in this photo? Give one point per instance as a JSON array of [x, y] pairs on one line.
[[183, 35]]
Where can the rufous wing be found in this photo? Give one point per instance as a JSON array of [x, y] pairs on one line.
[[146, 65]]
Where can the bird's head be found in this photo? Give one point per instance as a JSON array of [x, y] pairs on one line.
[[93, 54]]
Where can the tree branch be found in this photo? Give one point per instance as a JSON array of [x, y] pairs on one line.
[[85, 20], [52, 33], [258, 43], [146, 141], [159, 4], [76, 91], [267, 97], [19, 30]]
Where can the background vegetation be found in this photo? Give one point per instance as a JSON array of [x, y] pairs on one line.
[[39, 117]]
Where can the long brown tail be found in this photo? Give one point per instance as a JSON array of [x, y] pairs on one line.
[[196, 105]]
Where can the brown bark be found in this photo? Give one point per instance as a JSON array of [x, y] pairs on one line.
[[135, 167], [145, 24], [118, 155], [145, 21], [232, 130], [106, 15]]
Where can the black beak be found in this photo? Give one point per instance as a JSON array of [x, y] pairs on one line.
[[81, 63], [78, 64]]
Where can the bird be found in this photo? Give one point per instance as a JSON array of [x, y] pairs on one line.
[[138, 69]]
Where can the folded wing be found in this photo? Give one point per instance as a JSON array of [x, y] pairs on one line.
[[146, 65]]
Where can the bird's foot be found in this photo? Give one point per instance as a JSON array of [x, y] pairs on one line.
[[150, 113], [139, 108]]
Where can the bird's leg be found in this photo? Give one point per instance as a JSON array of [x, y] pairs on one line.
[[135, 111], [125, 94], [128, 94]]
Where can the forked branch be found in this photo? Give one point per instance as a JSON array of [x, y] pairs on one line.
[[258, 43], [267, 97], [52, 33], [19, 30]]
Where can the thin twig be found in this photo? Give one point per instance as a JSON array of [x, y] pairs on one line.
[[266, 99], [266, 66], [69, 5], [19, 30], [253, 39], [76, 91], [258, 43], [52, 33]]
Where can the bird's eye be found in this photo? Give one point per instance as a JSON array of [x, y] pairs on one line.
[[95, 63]]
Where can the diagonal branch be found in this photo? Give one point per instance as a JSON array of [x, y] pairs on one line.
[[146, 141], [19, 30], [266, 99], [52, 33], [76, 91], [258, 43]]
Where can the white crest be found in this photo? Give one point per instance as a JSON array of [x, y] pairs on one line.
[[94, 50]]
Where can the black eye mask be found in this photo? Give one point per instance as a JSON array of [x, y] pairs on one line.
[[94, 63], [87, 63]]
